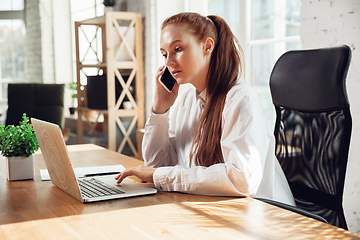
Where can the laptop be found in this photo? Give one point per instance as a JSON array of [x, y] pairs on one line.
[[84, 189]]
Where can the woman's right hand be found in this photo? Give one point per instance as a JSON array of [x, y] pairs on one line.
[[163, 99]]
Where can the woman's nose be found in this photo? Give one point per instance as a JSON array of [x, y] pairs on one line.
[[169, 61]]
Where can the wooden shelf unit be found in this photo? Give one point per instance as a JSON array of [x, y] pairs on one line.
[[114, 38]]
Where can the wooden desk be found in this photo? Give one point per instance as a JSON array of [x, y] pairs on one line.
[[39, 210]]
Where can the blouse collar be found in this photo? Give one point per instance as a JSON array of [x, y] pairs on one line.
[[201, 97]]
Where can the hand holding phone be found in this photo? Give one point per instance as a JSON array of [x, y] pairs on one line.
[[163, 100], [167, 80]]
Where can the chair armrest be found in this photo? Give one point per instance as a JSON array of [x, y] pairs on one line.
[[293, 209]]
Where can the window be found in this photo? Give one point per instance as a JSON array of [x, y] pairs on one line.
[[85, 9], [266, 29], [89, 36], [12, 47], [229, 10], [275, 26]]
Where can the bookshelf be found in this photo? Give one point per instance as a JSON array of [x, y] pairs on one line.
[[114, 48]]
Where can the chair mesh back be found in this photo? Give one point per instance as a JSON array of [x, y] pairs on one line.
[[313, 127], [310, 148]]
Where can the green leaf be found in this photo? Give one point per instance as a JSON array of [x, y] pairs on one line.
[[18, 140]]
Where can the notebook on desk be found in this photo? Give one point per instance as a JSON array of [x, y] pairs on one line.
[[84, 189]]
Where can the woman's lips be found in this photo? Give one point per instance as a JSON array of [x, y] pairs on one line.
[[175, 73]]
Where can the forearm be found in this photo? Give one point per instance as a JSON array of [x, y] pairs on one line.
[[216, 180]]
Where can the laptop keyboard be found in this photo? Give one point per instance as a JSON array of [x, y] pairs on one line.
[[94, 188]]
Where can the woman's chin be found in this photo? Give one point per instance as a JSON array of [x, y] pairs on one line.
[[180, 80]]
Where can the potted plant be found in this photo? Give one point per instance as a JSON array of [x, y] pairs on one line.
[[126, 103], [17, 144], [72, 87]]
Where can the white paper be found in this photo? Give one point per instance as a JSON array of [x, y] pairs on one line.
[[82, 171]]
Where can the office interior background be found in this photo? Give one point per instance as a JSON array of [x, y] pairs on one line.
[[37, 44]]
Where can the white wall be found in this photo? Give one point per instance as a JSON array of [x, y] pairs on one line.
[[48, 43], [326, 23], [33, 60], [62, 42]]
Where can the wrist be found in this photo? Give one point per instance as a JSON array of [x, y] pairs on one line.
[[158, 111]]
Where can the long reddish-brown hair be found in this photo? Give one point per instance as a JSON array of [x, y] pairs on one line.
[[226, 66]]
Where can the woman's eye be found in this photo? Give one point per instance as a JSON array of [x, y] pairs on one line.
[[164, 55], [178, 49]]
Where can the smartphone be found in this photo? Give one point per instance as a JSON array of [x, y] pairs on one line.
[[167, 80]]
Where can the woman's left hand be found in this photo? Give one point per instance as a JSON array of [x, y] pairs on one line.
[[144, 173]]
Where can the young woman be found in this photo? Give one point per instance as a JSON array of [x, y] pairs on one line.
[[217, 140]]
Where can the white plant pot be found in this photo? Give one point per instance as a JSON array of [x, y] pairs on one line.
[[20, 168], [127, 105], [108, 9]]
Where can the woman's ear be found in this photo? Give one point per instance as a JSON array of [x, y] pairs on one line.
[[208, 46]]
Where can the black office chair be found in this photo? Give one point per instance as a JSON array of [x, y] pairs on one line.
[[313, 127], [42, 101]]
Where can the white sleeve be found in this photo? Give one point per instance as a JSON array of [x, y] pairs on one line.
[[245, 143], [156, 146]]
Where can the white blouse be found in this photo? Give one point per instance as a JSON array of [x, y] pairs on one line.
[[250, 166]]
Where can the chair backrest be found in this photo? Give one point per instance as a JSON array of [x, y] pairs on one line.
[[38, 100], [313, 127]]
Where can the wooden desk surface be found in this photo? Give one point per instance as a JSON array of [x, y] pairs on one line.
[[36, 209]]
